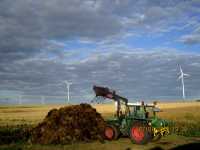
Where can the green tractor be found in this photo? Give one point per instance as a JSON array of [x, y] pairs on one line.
[[135, 120]]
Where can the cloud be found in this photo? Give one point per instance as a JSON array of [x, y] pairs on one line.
[[193, 38], [28, 27], [134, 75], [35, 54], [190, 39]]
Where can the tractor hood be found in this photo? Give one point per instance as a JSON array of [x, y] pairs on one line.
[[158, 123]]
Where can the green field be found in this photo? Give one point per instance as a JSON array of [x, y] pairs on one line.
[[185, 114]]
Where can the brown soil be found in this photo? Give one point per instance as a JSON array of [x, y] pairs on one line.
[[69, 124]]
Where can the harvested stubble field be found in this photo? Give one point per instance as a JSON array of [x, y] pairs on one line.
[[186, 114]]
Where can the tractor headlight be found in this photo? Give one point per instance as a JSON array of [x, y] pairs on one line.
[[149, 123], [161, 124]]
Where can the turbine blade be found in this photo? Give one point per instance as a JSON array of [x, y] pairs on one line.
[[181, 70], [179, 74], [179, 77], [187, 75]]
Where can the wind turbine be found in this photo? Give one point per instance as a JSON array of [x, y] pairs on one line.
[[20, 99], [42, 100], [182, 75], [68, 87]]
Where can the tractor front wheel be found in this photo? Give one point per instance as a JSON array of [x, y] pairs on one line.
[[139, 133], [111, 132], [156, 138]]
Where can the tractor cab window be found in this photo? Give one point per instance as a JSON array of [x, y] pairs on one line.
[[138, 112], [150, 111], [137, 108], [131, 110]]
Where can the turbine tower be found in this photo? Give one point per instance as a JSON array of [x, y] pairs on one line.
[[68, 87], [42, 100], [182, 75], [20, 99]]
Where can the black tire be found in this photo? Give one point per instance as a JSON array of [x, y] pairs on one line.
[[139, 133], [111, 132]]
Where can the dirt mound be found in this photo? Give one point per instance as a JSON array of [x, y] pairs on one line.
[[69, 124]]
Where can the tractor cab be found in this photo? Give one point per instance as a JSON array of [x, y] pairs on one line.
[[139, 110]]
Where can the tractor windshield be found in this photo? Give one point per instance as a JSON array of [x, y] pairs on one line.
[[150, 111], [142, 112], [138, 112]]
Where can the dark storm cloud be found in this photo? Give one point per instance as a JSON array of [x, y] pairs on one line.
[[135, 75]]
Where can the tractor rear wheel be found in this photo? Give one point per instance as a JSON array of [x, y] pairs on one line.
[[111, 132], [139, 133]]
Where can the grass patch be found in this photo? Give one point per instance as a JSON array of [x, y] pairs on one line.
[[190, 129], [14, 134]]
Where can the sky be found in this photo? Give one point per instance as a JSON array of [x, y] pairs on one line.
[[132, 46]]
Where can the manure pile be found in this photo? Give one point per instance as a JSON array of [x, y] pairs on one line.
[[69, 124]]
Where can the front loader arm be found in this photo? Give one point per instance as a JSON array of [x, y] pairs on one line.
[[107, 93]]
